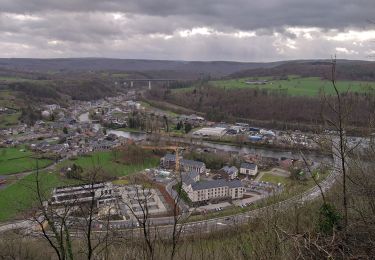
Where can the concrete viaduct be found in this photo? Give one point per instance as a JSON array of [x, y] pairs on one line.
[[149, 81]]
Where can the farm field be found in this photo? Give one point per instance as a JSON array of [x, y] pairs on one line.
[[298, 86], [21, 195], [105, 160], [17, 159]]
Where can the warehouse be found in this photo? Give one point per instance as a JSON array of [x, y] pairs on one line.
[[211, 131]]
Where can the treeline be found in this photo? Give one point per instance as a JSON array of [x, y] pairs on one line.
[[261, 104], [349, 70], [55, 91]]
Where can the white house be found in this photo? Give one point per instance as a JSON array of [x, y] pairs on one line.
[[250, 169]]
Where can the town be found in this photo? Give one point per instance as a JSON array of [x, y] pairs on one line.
[[207, 164]]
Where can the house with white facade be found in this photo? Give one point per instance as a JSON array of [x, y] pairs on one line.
[[250, 169]]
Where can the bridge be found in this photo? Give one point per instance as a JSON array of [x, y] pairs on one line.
[[149, 81]]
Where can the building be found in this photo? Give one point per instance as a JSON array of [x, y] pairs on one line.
[[102, 145], [169, 161], [267, 133], [189, 179], [213, 189], [193, 166], [250, 169], [211, 131], [134, 199], [231, 171], [74, 195]]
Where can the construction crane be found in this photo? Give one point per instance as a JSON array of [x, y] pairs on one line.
[[175, 148]]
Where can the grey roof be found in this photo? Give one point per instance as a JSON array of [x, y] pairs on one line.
[[187, 180], [192, 163], [250, 166], [170, 157], [230, 170], [193, 175], [203, 185]]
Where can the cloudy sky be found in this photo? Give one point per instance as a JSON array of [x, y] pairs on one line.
[[239, 30]]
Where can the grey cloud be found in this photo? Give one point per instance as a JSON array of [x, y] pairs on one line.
[[71, 28], [240, 14]]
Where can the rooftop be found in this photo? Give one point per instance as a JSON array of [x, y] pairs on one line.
[[203, 185], [250, 166], [192, 163]]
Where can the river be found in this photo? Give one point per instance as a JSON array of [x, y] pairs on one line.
[[264, 152], [84, 118]]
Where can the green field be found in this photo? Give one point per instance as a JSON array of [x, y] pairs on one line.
[[268, 177], [10, 79], [15, 160], [105, 160], [21, 195], [120, 75], [7, 120], [298, 86]]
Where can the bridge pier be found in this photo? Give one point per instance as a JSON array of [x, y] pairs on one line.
[[149, 84], [131, 83]]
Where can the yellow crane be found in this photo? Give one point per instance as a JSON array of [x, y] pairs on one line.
[[172, 147]]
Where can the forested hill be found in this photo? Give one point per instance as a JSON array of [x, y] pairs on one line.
[[214, 68], [345, 70]]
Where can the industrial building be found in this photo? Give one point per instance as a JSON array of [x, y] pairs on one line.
[[211, 131]]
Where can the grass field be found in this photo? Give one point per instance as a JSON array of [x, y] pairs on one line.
[[9, 79], [268, 177], [297, 86], [120, 75], [7, 120], [105, 161], [15, 160], [21, 195]]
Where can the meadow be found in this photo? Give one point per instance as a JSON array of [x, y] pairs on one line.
[[18, 159], [269, 177], [21, 195], [7, 120], [298, 86], [106, 161]]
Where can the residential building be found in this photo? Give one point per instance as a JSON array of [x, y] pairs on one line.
[[189, 179], [250, 169], [192, 166], [169, 161], [213, 189], [231, 171]]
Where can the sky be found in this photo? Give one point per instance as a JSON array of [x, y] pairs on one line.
[[233, 30]]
